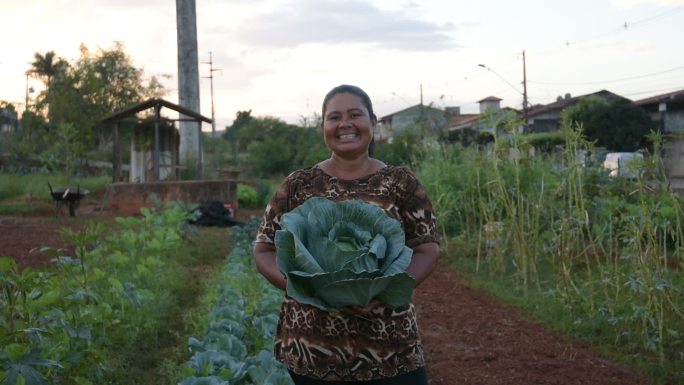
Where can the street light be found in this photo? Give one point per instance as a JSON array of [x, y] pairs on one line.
[[400, 97], [500, 77], [524, 93]]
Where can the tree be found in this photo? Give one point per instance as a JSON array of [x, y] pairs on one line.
[[47, 67], [274, 147], [79, 96], [98, 84], [617, 125]]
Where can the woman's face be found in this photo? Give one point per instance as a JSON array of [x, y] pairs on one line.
[[347, 125]]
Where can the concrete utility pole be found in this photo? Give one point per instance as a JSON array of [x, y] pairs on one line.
[[188, 85]]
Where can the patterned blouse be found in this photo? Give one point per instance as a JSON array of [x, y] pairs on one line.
[[340, 346]]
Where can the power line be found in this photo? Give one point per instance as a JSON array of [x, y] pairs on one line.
[[654, 91], [625, 26], [608, 81]]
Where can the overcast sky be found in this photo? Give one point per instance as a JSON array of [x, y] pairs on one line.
[[279, 57]]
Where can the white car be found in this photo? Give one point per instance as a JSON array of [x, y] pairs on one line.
[[626, 164]]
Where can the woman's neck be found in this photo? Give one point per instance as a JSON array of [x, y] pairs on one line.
[[345, 168]]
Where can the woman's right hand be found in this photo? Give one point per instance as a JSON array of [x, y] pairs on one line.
[[265, 260]]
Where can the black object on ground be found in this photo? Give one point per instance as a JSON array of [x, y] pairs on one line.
[[214, 214]]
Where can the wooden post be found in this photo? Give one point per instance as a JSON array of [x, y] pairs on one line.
[[116, 160], [155, 154]]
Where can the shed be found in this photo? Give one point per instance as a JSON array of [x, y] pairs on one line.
[[157, 104]]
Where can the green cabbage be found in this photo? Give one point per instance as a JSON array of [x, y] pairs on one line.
[[345, 253]]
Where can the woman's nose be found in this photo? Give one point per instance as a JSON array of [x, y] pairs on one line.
[[345, 122]]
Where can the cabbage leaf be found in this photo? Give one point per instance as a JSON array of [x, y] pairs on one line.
[[347, 253]]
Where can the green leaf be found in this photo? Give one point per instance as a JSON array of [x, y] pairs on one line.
[[25, 369], [343, 253]]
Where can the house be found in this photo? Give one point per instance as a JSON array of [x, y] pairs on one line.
[[545, 118], [489, 118], [9, 120], [667, 110], [434, 119]]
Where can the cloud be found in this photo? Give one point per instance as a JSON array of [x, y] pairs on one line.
[[331, 22], [627, 4]]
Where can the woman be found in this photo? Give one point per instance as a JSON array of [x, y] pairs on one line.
[[377, 344]]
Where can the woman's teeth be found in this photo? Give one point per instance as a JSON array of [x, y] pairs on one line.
[[347, 136]]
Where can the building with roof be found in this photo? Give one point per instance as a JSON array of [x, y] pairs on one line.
[[489, 119], [666, 110], [9, 120], [546, 118], [434, 120]]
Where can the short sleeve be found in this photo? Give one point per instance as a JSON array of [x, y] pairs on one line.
[[415, 210], [277, 206]]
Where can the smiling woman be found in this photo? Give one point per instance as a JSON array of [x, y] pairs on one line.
[[378, 339]]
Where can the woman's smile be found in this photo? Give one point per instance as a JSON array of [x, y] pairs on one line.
[[347, 137]]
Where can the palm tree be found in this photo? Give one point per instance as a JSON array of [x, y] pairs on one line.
[[47, 67]]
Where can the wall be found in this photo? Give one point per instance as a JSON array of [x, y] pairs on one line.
[[129, 198], [674, 121]]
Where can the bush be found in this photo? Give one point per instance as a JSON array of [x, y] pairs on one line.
[[248, 197]]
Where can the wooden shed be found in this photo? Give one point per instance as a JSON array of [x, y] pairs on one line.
[[171, 162]]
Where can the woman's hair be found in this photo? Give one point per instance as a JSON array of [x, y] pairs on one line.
[[365, 99], [349, 89]]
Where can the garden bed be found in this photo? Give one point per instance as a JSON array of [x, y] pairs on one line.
[[470, 337]]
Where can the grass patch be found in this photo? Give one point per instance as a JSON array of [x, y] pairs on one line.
[[199, 259], [17, 208], [17, 187]]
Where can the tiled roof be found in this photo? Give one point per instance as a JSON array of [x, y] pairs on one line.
[[463, 119], [568, 101], [668, 97]]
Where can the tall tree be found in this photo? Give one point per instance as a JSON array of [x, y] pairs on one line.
[[47, 67]]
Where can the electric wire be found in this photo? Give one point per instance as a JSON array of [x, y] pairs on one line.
[[607, 81]]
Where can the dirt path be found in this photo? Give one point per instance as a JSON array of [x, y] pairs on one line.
[[470, 338]]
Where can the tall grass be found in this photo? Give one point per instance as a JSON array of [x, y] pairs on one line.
[[607, 251]]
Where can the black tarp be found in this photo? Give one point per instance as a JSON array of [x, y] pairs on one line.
[[214, 214]]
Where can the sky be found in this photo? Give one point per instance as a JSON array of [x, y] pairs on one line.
[[280, 57]]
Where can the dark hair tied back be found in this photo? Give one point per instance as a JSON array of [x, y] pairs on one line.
[[349, 89]]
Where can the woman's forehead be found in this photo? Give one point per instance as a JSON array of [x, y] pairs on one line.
[[344, 101]]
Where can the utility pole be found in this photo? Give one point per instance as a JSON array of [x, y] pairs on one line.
[[26, 106], [525, 103], [211, 82], [190, 146]]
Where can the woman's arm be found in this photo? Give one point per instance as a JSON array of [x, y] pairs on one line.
[[265, 259], [424, 261]]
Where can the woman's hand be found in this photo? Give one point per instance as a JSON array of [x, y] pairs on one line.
[[265, 260], [424, 261], [361, 310]]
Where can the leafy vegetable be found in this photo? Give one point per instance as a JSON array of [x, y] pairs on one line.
[[345, 253]]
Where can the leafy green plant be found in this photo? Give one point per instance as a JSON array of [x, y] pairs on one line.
[[237, 344], [336, 254], [84, 321], [248, 197], [557, 232]]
